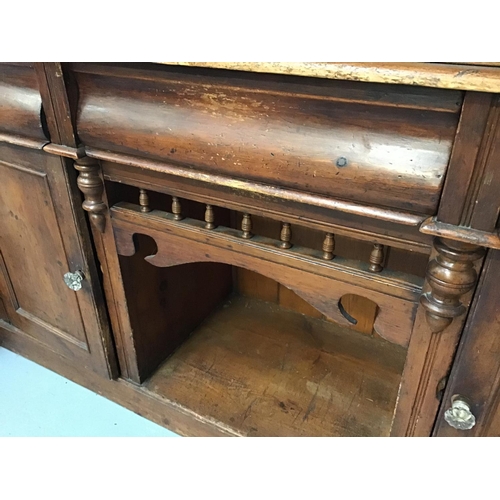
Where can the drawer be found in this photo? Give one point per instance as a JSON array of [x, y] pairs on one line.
[[374, 144], [20, 102]]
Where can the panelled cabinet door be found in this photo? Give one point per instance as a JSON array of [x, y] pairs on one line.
[[471, 401], [49, 287]]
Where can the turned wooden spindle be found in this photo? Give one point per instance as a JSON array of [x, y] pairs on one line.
[[246, 226], [176, 208], [328, 246], [209, 217], [450, 275], [376, 258], [144, 200], [285, 235], [90, 183]]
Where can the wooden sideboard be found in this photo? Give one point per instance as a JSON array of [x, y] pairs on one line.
[[306, 249]]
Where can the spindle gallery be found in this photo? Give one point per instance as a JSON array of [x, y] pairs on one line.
[[258, 249]]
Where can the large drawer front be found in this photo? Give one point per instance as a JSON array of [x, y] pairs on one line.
[[381, 145]]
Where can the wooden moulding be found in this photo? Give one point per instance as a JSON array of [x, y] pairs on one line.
[[66, 151], [264, 190], [321, 283], [464, 234], [466, 76], [25, 142]]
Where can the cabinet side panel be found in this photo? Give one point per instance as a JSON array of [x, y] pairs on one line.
[[476, 371]]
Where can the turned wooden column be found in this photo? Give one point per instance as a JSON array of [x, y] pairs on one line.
[[91, 185], [450, 275]]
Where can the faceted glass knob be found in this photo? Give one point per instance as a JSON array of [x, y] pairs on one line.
[[459, 415], [74, 280]]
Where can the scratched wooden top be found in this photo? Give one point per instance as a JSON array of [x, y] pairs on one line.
[[483, 77]]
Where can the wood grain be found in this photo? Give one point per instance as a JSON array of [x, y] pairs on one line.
[[264, 371], [20, 102], [300, 139], [476, 370], [161, 306], [322, 284], [41, 240], [56, 103], [463, 234], [365, 225], [435, 335], [466, 147], [468, 76]]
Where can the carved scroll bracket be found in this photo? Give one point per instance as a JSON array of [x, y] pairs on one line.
[[451, 275], [91, 185]]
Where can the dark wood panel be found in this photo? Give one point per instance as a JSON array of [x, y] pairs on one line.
[[34, 255], [314, 141], [466, 147], [476, 370], [485, 202], [56, 103], [166, 304], [450, 281], [42, 237], [20, 102], [470, 196]]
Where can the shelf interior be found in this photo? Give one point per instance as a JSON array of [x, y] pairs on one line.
[[263, 370]]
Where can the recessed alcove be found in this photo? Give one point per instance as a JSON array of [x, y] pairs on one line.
[[246, 352]]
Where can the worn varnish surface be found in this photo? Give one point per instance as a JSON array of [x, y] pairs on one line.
[[124, 112], [40, 242], [311, 135], [322, 285], [466, 147], [371, 224], [20, 102], [162, 305], [265, 371], [24, 226], [476, 371], [464, 76]]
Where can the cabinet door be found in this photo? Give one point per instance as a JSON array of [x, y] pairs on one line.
[[43, 236], [475, 375]]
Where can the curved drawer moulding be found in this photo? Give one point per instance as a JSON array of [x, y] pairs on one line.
[[20, 102], [351, 150], [394, 318]]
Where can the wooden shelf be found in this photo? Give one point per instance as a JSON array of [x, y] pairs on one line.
[[262, 370]]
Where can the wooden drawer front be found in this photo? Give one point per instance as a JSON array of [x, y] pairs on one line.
[[20, 102], [374, 144]]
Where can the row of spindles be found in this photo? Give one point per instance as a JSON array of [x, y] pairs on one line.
[[376, 255]]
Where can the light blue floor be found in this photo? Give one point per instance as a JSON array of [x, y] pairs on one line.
[[37, 402]]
